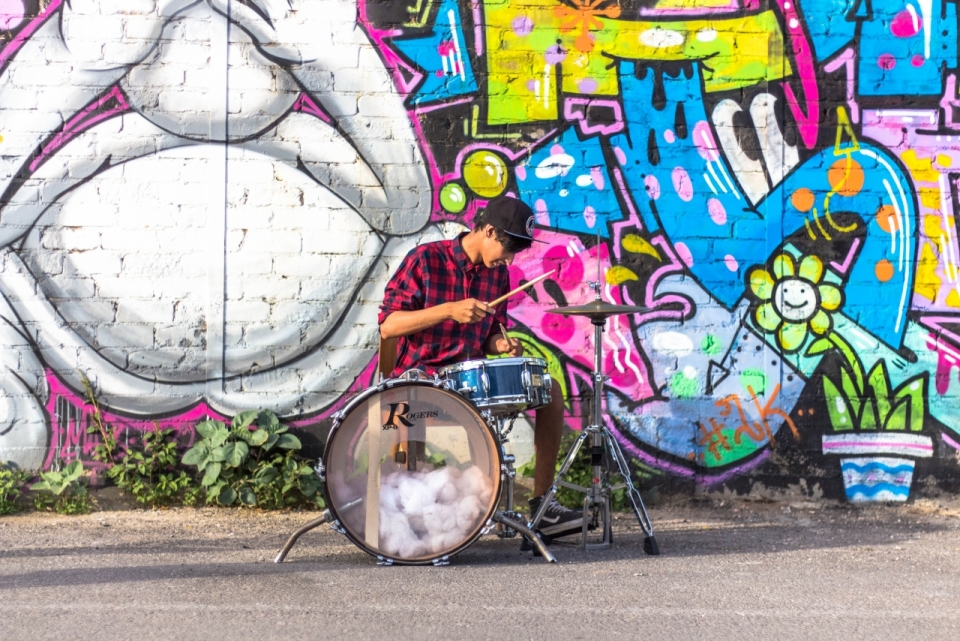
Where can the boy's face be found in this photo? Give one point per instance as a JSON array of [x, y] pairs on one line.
[[491, 251]]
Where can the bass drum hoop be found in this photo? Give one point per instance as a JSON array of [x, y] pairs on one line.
[[440, 386]]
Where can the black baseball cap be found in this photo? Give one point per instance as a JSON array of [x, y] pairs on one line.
[[512, 216]]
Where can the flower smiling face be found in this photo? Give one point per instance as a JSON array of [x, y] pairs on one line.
[[794, 300]]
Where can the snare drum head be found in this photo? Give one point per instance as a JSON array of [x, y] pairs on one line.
[[435, 478]]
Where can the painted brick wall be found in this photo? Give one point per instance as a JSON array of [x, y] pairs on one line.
[[201, 204]]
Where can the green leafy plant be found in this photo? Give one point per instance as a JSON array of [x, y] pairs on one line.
[[252, 462], [12, 480], [580, 473], [867, 400], [63, 491], [151, 473]]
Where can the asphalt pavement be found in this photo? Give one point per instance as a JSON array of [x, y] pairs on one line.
[[728, 570]]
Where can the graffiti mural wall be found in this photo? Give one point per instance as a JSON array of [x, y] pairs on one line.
[[202, 201]]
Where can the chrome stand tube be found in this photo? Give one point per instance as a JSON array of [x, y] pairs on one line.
[[326, 517], [528, 533]]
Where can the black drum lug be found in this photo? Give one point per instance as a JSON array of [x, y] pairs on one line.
[[336, 527], [384, 561], [443, 560], [320, 470]]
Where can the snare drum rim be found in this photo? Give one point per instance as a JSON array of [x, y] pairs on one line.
[[442, 387], [466, 366]]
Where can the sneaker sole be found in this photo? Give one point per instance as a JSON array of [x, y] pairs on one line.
[[562, 529]]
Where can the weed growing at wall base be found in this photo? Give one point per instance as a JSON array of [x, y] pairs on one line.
[[12, 480], [151, 472], [253, 462], [63, 491]]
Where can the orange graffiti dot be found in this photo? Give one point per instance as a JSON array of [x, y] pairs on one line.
[[887, 219], [846, 177], [883, 270], [803, 199]]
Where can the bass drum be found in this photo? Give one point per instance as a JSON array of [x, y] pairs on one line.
[[412, 471]]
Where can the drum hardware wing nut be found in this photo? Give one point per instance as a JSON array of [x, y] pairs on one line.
[[336, 527], [384, 561], [509, 471], [320, 470], [443, 560]]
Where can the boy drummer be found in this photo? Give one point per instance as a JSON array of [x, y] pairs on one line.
[[434, 304]]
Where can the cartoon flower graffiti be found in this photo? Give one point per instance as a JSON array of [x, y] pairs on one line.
[[794, 300]]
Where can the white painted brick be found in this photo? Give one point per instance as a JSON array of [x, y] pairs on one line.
[[70, 238], [68, 288], [247, 311], [124, 287], [144, 311], [273, 242], [270, 288], [87, 311], [184, 101], [92, 263], [269, 336], [129, 335], [156, 358], [303, 264]]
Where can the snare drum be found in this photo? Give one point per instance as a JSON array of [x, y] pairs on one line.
[[502, 385], [411, 471]]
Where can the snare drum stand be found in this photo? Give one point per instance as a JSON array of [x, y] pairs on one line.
[[596, 501], [509, 521]]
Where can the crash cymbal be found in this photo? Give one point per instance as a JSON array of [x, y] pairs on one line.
[[597, 309]]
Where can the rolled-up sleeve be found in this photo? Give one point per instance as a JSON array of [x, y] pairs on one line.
[[405, 290]]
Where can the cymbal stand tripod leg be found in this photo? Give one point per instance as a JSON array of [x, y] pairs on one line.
[[597, 496]]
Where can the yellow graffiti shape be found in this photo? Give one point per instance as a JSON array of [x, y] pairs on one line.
[[526, 64], [953, 299], [927, 282], [921, 168], [638, 245], [930, 197], [619, 274]]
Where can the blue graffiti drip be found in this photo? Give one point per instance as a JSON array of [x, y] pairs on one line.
[[873, 467], [871, 491]]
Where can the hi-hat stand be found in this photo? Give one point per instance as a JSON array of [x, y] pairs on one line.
[[603, 446]]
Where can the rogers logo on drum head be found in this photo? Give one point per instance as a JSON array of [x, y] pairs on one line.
[[401, 412]]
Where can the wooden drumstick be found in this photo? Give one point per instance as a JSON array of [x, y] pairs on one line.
[[506, 336], [520, 289]]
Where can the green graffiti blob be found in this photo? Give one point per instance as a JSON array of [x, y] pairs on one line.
[[683, 385], [755, 379], [711, 345]]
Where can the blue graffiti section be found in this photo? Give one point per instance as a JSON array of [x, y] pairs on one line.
[[684, 187], [443, 56], [569, 186], [835, 25], [904, 47]]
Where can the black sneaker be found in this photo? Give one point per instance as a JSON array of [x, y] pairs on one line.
[[557, 520]]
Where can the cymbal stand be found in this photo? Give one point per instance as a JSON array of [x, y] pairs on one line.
[[596, 501]]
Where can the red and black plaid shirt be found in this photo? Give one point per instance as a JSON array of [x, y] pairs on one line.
[[436, 273]]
